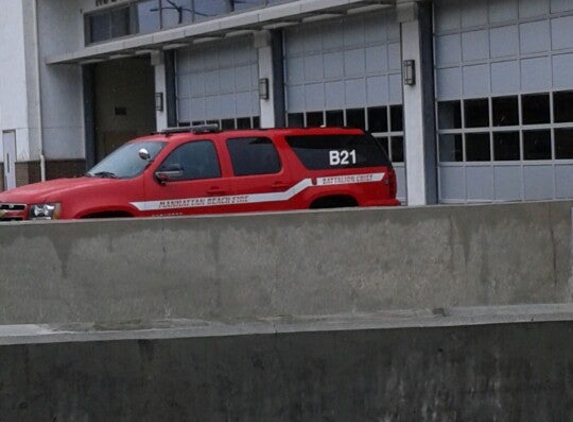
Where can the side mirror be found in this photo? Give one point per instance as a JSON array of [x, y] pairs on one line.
[[144, 154], [169, 173]]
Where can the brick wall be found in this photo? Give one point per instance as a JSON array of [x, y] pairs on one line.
[[65, 168], [29, 172]]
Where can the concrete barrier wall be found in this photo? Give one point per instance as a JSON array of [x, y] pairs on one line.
[[248, 267], [507, 372]]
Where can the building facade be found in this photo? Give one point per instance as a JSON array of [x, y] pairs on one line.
[[471, 98]]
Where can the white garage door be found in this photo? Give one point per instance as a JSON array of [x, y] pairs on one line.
[[347, 72], [504, 85], [218, 83]]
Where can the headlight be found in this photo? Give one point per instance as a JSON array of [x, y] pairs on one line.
[[49, 211]]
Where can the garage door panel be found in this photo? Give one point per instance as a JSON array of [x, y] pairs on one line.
[[475, 45], [452, 183], [197, 85], [533, 8], [503, 11], [213, 107], [218, 80], [377, 90], [449, 82], [508, 183], [212, 83], [447, 15], [184, 106], [474, 13], [183, 87], [244, 104], [395, 89], [563, 70], [504, 41], [448, 49], [563, 182], [296, 98], [333, 65], [315, 96], [505, 77], [243, 80], [313, 68], [354, 62], [561, 6], [562, 33], [538, 182], [332, 38], [227, 81], [227, 104], [353, 34], [355, 92], [334, 93], [536, 74], [376, 59], [476, 80], [394, 57], [376, 28], [534, 37], [479, 181], [198, 109]]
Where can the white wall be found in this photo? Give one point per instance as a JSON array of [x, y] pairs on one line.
[[60, 30], [56, 99], [13, 84]]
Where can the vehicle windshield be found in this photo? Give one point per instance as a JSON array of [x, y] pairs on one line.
[[125, 162]]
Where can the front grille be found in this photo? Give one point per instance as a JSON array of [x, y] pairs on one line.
[[12, 207], [12, 212]]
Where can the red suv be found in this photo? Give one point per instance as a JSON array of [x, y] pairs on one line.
[[206, 171]]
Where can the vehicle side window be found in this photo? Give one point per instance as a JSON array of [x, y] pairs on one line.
[[321, 152], [196, 160], [253, 156]]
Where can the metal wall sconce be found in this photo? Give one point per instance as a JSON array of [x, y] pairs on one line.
[[264, 88], [159, 101], [409, 72]]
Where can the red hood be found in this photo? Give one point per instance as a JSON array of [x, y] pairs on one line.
[[52, 190]]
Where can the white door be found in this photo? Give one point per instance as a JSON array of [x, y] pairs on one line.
[[9, 155]]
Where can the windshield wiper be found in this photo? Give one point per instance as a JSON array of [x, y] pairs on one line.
[[105, 174]]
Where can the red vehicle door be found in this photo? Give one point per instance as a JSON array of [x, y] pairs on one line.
[[261, 179], [188, 181]]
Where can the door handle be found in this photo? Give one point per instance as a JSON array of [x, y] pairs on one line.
[[216, 190], [280, 185]]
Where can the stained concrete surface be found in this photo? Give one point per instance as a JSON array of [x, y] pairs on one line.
[[506, 372]]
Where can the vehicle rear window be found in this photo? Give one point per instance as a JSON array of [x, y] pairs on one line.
[[251, 156], [318, 152]]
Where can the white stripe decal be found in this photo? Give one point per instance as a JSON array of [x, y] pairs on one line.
[[256, 197]]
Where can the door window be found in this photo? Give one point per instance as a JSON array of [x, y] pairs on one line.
[[251, 156], [195, 160]]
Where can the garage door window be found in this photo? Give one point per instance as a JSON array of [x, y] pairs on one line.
[[520, 128], [385, 123]]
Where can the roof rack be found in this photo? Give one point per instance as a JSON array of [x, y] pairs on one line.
[[207, 128]]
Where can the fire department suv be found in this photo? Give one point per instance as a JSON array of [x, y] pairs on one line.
[[206, 171]]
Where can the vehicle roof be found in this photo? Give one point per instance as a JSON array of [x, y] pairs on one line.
[[187, 133]]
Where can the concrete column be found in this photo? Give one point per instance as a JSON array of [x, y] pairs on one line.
[[419, 122], [269, 47], [264, 47], [158, 63]]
